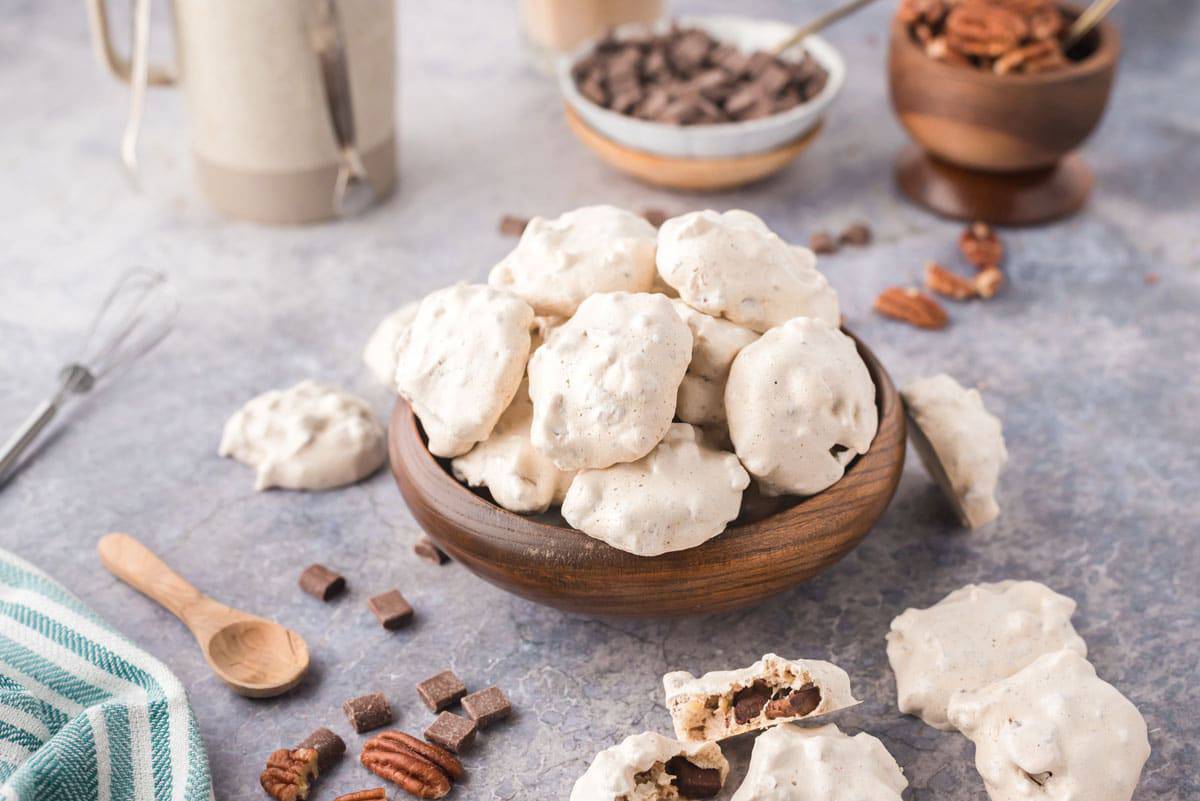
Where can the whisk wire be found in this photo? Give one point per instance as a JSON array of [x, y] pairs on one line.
[[141, 303]]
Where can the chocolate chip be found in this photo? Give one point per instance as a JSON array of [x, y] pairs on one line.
[[391, 609], [693, 781], [487, 706], [441, 691], [749, 701], [512, 226], [321, 583], [329, 747], [655, 217], [451, 732], [857, 234], [368, 712], [427, 550], [794, 703], [822, 242]]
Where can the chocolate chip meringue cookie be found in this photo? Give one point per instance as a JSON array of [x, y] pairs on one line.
[[380, 353], [974, 636], [560, 262], [773, 690], [732, 265], [715, 343], [460, 362], [518, 476], [960, 443], [800, 406], [309, 437], [604, 383], [790, 763], [650, 767], [680, 495], [1054, 730]]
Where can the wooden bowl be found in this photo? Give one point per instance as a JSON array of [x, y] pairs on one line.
[[559, 566], [996, 146]]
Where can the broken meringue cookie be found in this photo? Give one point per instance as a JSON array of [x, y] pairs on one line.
[[822, 763], [1054, 730], [518, 476], [460, 362], [560, 262], [800, 405], [974, 636], [604, 383], [650, 767], [680, 495], [732, 265], [380, 352], [715, 343], [960, 443], [773, 690]]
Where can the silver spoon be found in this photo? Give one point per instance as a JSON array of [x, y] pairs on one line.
[[1084, 23]]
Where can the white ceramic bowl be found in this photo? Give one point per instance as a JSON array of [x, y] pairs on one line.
[[721, 139]]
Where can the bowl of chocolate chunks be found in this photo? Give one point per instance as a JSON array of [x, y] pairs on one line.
[[702, 87]]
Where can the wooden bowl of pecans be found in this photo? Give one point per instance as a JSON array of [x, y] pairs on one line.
[[997, 106]]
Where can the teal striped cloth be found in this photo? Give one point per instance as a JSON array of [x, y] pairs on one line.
[[84, 713]]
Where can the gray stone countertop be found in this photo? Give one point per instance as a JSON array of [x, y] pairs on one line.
[[1094, 368]]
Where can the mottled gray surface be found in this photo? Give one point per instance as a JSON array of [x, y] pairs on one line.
[[1094, 372]]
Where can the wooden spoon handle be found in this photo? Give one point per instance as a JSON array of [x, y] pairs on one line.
[[137, 566]]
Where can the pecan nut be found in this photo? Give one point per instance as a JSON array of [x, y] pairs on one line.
[[941, 281], [981, 29], [400, 741], [988, 282], [1040, 56], [377, 794], [289, 774], [421, 769], [929, 12], [980, 246], [911, 306], [939, 49]]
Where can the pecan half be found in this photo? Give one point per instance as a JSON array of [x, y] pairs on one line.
[[941, 281], [289, 774], [1036, 57], [421, 769], [399, 741], [939, 49], [980, 246], [929, 12], [982, 29], [377, 794], [988, 282], [911, 306], [1046, 23]]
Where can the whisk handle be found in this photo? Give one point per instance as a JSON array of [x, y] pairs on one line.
[[25, 435]]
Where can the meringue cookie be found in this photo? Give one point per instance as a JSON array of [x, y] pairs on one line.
[[380, 353], [604, 383], [639, 769], [960, 443], [731, 265], [800, 405], [519, 477], [974, 636], [678, 496], [822, 763], [460, 362], [715, 343], [560, 262], [309, 437], [1053, 730], [772, 691]]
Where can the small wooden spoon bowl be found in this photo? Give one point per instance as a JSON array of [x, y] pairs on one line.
[[754, 558]]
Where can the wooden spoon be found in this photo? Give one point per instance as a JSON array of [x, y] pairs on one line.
[[257, 657]]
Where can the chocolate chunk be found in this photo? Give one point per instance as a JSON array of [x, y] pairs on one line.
[[391, 609], [451, 732], [857, 234], [321, 583], [743, 99], [513, 226], [427, 550], [655, 217], [329, 747], [441, 691], [693, 781], [758, 63], [774, 78], [487, 706], [624, 102], [594, 91], [749, 701], [368, 712], [794, 703], [687, 52], [822, 242]]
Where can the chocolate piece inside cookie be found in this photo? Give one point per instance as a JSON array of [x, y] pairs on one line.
[[693, 781]]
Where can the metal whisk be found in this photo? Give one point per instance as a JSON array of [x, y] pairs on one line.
[[136, 315]]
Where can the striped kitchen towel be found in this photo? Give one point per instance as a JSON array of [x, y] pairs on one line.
[[84, 713]]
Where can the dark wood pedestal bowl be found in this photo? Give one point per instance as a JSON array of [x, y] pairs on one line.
[[559, 566], [999, 148]]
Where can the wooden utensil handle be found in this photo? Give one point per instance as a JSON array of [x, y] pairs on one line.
[[137, 566]]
